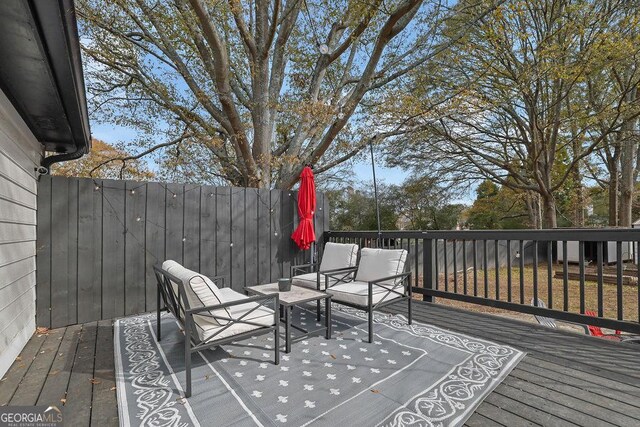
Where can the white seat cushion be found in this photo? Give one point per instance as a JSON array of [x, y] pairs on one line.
[[380, 263], [358, 293], [338, 255], [262, 316]]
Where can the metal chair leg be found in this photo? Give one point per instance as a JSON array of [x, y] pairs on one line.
[[370, 325], [276, 338], [158, 332], [409, 309], [187, 365]]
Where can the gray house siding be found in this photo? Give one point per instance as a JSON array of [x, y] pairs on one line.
[[20, 153]]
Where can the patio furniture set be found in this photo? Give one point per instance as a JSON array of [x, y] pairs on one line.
[[211, 314]]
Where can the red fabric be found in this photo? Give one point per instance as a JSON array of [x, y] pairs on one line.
[[596, 331], [304, 235]]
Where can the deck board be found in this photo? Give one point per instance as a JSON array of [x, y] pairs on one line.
[[565, 378], [55, 386], [105, 409], [80, 392], [12, 379], [31, 385]]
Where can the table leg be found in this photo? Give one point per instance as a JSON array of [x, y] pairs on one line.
[[327, 309], [287, 329]]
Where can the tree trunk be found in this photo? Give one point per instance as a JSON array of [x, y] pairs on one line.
[[628, 160], [533, 209], [549, 211], [614, 184], [578, 217], [628, 164]]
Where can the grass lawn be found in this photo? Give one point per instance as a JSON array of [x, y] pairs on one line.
[[629, 292]]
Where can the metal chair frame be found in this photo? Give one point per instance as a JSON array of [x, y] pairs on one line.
[[178, 305], [406, 294]]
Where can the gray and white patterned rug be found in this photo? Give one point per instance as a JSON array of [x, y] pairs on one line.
[[411, 375]]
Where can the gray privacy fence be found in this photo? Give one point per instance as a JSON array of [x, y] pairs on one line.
[[97, 241]]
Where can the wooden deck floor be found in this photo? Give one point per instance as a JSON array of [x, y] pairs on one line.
[[565, 379]]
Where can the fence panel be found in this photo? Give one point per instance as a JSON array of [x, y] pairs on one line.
[[100, 239]]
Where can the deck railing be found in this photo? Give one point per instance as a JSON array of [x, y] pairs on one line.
[[585, 276]]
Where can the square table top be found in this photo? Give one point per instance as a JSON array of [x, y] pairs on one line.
[[297, 294]]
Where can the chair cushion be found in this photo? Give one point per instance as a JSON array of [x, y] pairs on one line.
[[200, 290], [358, 293], [263, 316], [338, 255], [380, 263]]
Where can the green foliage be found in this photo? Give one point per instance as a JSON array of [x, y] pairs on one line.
[[423, 204], [496, 208], [419, 203], [356, 210]]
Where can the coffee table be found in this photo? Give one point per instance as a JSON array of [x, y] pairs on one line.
[[296, 296]]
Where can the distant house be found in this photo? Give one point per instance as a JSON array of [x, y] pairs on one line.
[[42, 109]]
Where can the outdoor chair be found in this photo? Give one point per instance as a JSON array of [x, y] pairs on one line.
[[336, 258], [379, 280], [210, 315], [596, 331], [544, 321]]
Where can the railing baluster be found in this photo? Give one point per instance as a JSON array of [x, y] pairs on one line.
[[637, 260], [464, 266], [429, 261], [436, 263], [416, 255], [565, 276], [496, 253], [581, 274], [619, 262], [446, 266], [486, 269], [521, 267], [550, 273], [600, 261], [509, 294], [475, 269], [535, 272], [455, 267]]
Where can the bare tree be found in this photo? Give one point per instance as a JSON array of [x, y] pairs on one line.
[[513, 75], [262, 87]]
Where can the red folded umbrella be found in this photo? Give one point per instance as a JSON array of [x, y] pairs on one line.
[[304, 235]]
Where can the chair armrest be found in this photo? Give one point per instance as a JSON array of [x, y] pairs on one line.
[[302, 267], [258, 298], [338, 270], [384, 279]]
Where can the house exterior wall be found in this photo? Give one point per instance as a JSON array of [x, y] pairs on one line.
[[20, 154]]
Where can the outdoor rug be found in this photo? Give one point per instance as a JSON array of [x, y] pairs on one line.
[[411, 375]]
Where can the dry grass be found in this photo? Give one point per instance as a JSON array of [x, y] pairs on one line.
[[609, 297]]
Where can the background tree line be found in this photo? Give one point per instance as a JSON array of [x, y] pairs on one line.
[[532, 105], [539, 98]]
